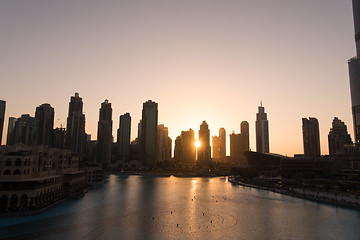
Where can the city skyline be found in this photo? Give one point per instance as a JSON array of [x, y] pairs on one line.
[[237, 70]]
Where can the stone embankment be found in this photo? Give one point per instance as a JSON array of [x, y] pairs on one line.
[[320, 197]]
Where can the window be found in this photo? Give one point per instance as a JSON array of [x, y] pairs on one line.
[[8, 162], [18, 162]]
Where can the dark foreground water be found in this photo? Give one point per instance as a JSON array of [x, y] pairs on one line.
[[132, 207]]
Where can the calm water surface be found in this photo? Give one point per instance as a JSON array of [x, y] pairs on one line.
[[134, 207]]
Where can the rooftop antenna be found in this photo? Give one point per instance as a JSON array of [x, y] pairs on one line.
[[260, 103]]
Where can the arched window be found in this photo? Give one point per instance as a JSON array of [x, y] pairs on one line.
[[17, 172], [8, 162], [18, 162], [7, 172]]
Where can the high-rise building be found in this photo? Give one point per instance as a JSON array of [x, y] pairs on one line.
[[75, 128], [222, 141], [163, 144], [354, 73], [59, 138], [148, 137], [215, 147], [104, 137], [245, 138], [262, 130], [123, 137], [26, 130], [45, 116], [204, 150], [219, 144], [185, 151], [10, 139], [2, 116], [239, 143], [338, 137], [311, 137]]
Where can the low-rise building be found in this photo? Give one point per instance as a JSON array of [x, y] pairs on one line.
[[33, 177]]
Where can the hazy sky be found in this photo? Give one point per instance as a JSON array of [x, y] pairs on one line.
[[212, 60]]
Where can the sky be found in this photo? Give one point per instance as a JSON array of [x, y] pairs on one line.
[[212, 60]]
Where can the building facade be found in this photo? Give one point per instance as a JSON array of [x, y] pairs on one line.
[[10, 138], [338, 137], [35, 177], [311, 137], [2, 117], [219, 144], [262, 130], [164, 144], [204, 150], [75, 126], [26, 130], [45, 116], [104, 136], [354, 73], [239, 145], [148, 136], [185, 150], [123, 137]]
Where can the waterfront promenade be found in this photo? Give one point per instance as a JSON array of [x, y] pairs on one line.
[[339, 200]]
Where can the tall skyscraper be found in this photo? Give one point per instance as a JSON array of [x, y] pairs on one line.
[[2, 116], [311, 137], [239, 143], [262, 130], [104, 137], [204, 149], [219, 144], [245, 138], [10, 139], [185, 151], [163, 144], [45, 116], [354, 73], [26, 130], [338, 137], [148, 138], [75, 128], [123, 137], [215, 147]]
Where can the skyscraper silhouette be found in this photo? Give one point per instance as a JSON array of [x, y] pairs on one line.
[[239, 144], [104, 137], [204, 149], [262, 130], [219, 144], [245, 138], [45, 116], [163, 144], [338, 137], [354, 73], [2, 116], [185, 151], [311, 137], [75, 128], [123, 137], [10, 138], [148, 137], [26, 130]]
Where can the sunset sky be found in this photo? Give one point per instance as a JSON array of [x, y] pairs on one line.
[[212, 60]]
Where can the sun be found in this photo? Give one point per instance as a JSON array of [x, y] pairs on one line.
[[197, 143]]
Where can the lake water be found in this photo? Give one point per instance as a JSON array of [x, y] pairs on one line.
[[135, 207]]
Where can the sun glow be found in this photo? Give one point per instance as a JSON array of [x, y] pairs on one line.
[[197, 143]]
